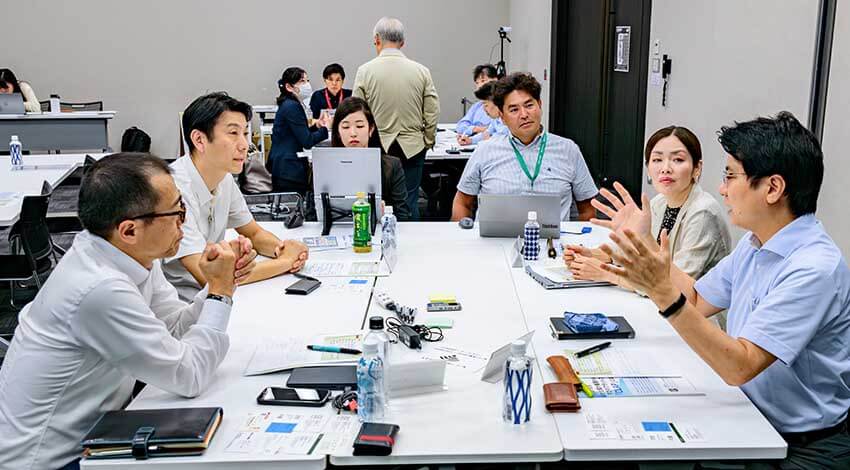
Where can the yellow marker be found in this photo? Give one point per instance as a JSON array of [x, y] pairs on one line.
[[587, 391], [442, 299]]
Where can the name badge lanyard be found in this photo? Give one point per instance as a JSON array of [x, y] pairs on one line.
[[521, 160], [328, 98]]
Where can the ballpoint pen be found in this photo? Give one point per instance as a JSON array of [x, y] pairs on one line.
[[333, 349], [593, 349]]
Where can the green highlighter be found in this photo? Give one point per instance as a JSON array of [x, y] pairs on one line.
[[440, 322]]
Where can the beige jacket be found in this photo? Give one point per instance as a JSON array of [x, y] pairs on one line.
[[31, 104], [403, 99], [700, 238]]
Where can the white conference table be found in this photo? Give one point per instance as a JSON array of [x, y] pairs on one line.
[[463, 423], [28, 181], [74, 131]]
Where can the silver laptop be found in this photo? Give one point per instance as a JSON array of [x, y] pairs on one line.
[[342, 172], [12, 104], [504, 216]]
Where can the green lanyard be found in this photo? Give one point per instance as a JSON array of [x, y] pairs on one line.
[[540, 153]]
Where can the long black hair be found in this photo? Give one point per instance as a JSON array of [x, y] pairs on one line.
[[7, 77], [348, 106], [290, 77]]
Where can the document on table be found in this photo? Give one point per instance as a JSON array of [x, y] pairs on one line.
[[330, 242], [284, 353], [457, 357], [621, 361], [273, 433], [601, 427], [345, 268], [607, 387]]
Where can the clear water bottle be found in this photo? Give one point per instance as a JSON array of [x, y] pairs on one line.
[[389, 229], [516, 404], [55, 107], [377, 333], [16, 153], [371, 394], [531, 246]]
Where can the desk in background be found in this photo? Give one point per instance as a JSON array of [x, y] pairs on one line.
[[44, 132], [37, 169]]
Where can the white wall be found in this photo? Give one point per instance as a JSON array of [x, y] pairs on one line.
[[148, 60], [832, 204], [531, 49], [732, 60]]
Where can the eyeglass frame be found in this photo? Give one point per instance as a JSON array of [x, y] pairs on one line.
[[729, 175], [153, 215]]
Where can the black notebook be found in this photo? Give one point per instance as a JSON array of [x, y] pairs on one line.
[[152, 433]]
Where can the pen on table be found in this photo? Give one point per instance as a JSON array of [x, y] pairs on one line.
[[593, 349], [584, 388], [574, 232], [304, 276], [552, 253], [333, 349]]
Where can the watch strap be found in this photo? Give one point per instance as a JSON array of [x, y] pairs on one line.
[[675, 307]]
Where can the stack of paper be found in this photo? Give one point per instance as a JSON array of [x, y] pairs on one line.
[[279, 354]]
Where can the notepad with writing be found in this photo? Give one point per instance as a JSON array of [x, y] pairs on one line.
[[152, 433]]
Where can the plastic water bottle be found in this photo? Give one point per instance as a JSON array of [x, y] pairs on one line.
[[361, 212], [371, 394], [531, 247], [516, 405], [55, 107], [376, 333], [389, 229], [16, 153]]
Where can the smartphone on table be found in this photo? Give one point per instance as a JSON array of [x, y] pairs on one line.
[[293, 396]]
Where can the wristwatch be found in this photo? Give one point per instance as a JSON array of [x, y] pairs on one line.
[[677, 305], [221, 298]]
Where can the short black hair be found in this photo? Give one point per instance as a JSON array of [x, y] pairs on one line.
[[290, 76], [521, 81], [488, 70], [332, 69], [485, 91], [203, 113], [348, 106], [779, 146], [117, 188]]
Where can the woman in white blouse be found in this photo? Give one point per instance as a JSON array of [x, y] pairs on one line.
[[698, 232], [9, 84]]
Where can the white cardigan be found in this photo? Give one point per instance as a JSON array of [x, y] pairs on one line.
[[700, 237], [31, 104]]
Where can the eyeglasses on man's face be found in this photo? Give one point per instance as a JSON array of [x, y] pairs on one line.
[[730, 175], [181, 214]]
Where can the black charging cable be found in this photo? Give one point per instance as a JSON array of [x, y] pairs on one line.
[[430, 334]]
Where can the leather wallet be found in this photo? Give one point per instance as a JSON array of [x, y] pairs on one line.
[[375, 439], [562, 395]]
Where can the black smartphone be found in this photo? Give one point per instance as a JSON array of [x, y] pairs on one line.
[[293, 396], [303, 286]]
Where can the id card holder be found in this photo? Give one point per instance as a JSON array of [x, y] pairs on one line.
[[303, 287]]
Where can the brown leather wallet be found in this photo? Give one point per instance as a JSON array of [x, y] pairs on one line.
[[562, 396]]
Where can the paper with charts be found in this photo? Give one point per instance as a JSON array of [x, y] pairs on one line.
[[609, 387], [272, 433], [285, 353], [315, 268], [622, 361], [329, 242]]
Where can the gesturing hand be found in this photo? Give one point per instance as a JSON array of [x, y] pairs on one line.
[[642, 262], [625, 214]]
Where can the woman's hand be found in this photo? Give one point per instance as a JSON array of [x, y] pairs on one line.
[[625, 214]]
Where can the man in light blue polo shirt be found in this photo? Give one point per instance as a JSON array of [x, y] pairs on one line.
[[527, 159], [786, 287], [476, 119]]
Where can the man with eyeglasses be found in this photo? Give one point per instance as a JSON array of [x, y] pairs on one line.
[[107, 317], [786, 287], [215, 127]]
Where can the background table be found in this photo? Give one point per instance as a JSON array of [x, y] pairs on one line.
[[86, 130]]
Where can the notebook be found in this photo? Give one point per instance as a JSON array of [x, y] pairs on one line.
[[176, 431], [558, 277]]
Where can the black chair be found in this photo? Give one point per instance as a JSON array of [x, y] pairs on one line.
[[33, 250]]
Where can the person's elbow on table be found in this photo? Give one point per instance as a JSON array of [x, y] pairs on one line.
[[462, 206]]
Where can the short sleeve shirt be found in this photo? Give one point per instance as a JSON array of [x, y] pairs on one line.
[[494, 169], [791, 297], [208, 216]]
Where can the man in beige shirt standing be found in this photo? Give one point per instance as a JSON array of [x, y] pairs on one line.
[[404, 101]]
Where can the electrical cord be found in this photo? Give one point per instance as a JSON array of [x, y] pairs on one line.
[[347, 400], [429, 334]]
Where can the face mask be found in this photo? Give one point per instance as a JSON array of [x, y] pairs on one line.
[[305, 91]]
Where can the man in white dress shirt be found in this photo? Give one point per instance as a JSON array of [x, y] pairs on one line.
[[216, 129], [107, 316]]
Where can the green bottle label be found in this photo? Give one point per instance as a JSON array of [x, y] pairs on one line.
[[362, 233]]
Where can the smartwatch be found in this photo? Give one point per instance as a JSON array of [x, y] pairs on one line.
[[221, 298], [677, 305]]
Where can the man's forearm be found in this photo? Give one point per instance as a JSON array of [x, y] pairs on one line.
[[268, 269], [684, 283], [265, 243], [460, 208]]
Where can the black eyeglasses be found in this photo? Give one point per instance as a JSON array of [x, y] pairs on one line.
[[181, 214]]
